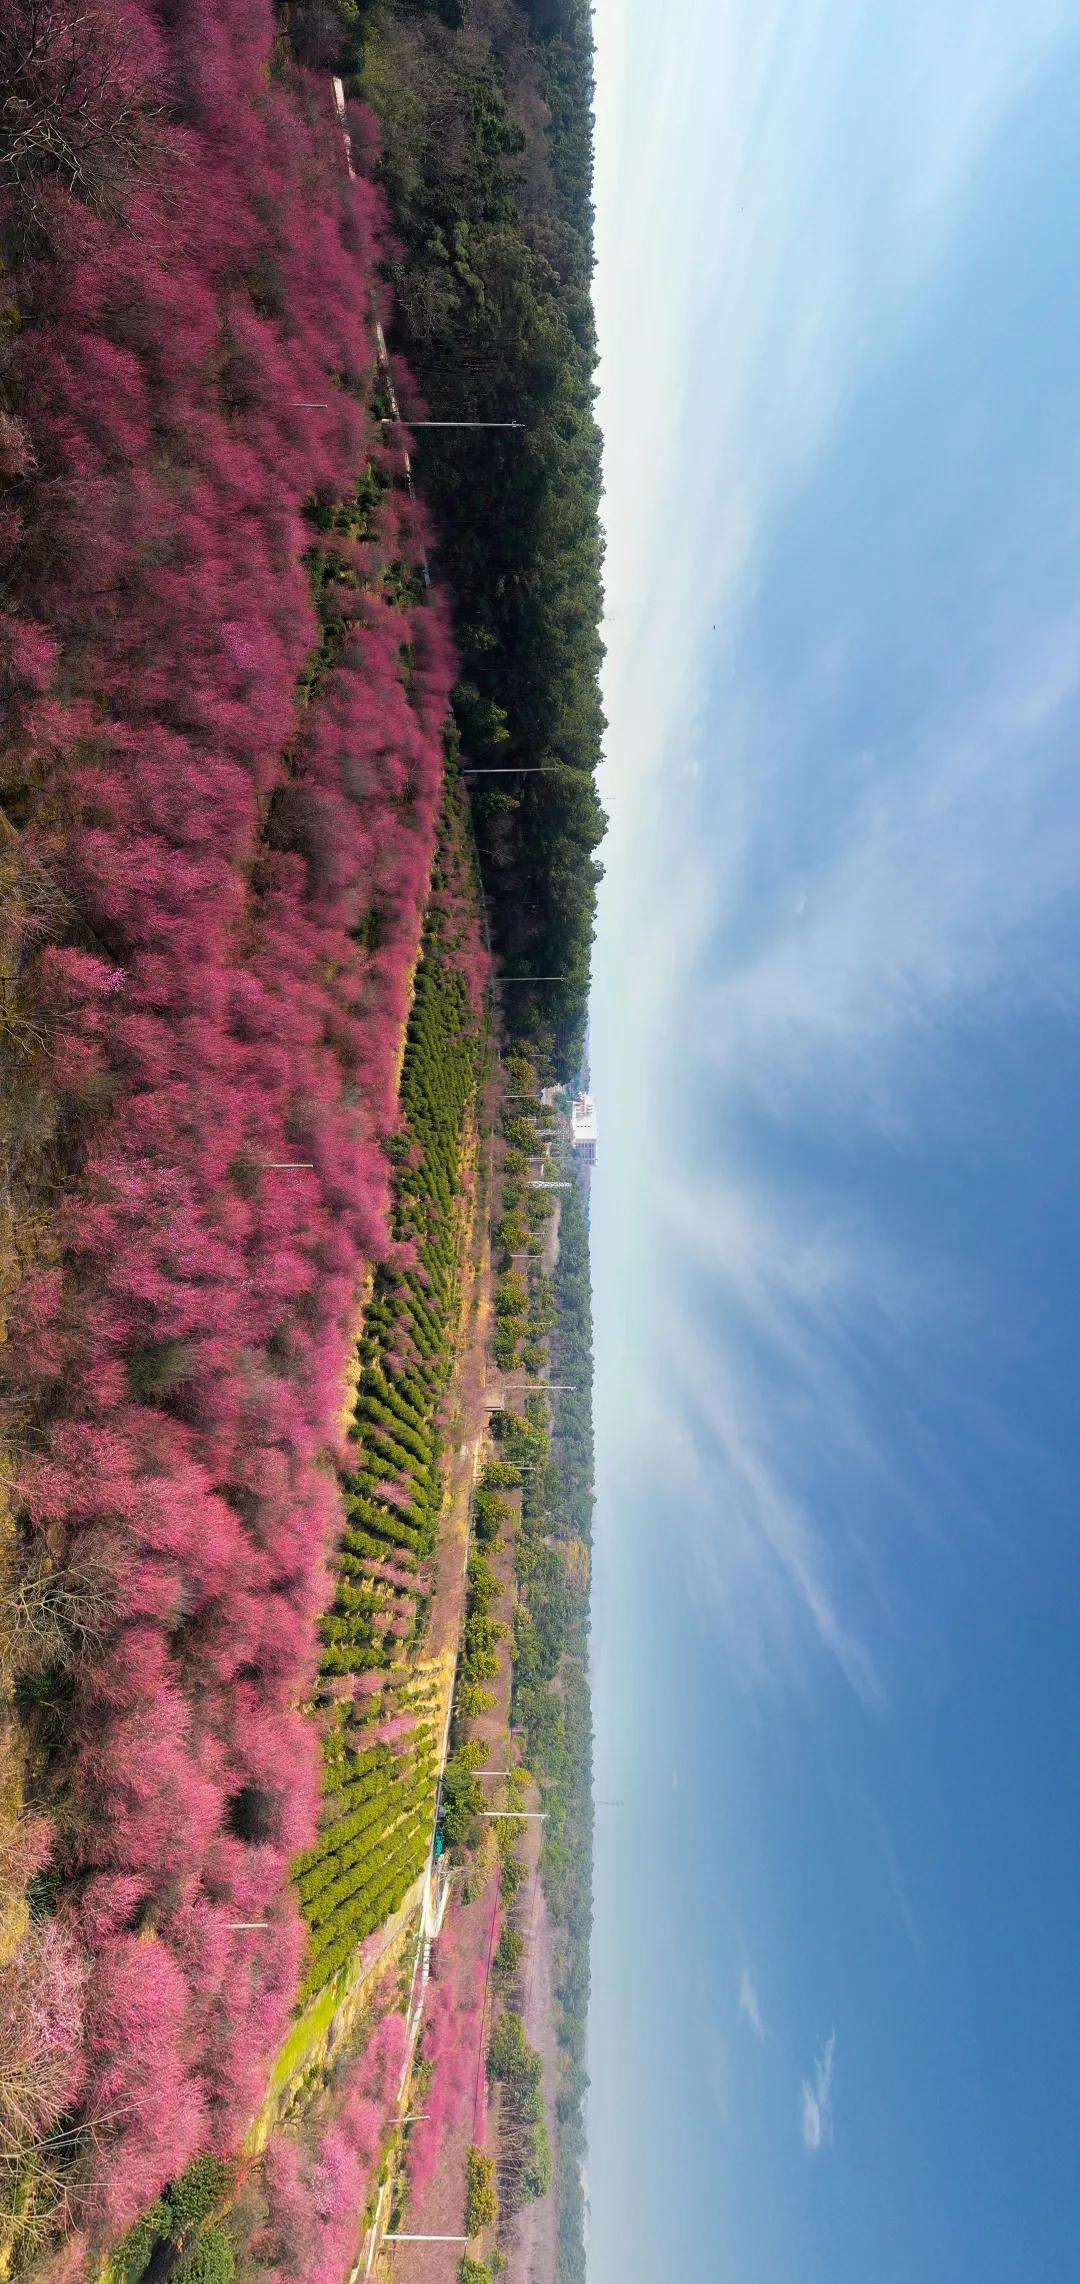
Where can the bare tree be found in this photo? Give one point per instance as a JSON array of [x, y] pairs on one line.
[[41, 2013], [55, 1612], [70, 105]]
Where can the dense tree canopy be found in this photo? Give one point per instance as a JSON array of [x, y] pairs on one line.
[[486, 124]]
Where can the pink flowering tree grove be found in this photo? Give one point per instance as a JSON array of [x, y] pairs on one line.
[[223, 745]]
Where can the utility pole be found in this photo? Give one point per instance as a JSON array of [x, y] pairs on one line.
[[497, 1400], [527, 1815], [398, 2236], [395, 421]]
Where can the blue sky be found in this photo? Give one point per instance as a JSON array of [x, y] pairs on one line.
[[836, 1045]]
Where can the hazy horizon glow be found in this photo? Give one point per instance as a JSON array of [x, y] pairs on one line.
[[834, 1045]]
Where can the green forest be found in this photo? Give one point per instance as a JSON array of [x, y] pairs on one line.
[[484, 111]]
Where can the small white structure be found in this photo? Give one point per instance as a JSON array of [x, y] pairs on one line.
[[583, 1129]]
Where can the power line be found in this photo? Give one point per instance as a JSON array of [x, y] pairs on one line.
[[395, 420], [399, 2236], [527, 1815]]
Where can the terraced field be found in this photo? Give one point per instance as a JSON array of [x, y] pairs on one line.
[[380, 1707]]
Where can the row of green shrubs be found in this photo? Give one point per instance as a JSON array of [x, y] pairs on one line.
[[181, 2224], [379, 1801]]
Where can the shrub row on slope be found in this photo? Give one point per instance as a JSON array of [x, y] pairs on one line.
[[221, 767], [380, 1752]]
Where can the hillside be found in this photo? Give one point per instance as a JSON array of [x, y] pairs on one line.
[[246, 1042], [485, 124]]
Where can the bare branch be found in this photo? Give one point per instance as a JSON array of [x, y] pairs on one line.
[[55, 1613], [71, 110]]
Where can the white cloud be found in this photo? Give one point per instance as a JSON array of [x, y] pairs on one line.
[[805, 922], [749, 2005], [817, 2124], [766, 1551], [743, 274], [939, 892], [925, 883]]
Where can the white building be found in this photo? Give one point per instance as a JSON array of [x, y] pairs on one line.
[[583, 1129]]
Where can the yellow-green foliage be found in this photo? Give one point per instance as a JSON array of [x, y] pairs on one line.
[[482, 2203]]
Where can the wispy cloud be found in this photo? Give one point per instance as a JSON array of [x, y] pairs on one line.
[[749, 2006], [817, 2124], [897, 903], [728, 1454], [808, 902], [742, 274], [824, 989]]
